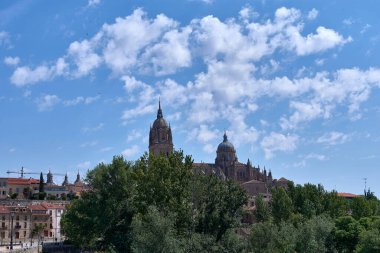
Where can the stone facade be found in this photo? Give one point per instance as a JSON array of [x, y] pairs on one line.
[[26, 216], [160, 136], [227, 166]]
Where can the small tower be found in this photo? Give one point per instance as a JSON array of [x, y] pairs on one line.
[[49, 180], [65, 181], [226, 157], [160, 135], [77, 180]]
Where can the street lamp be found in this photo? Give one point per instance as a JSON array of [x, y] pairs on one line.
[[12, 216]]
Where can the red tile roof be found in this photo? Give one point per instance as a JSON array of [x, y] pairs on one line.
[[52, 206], [37, 207], [347, 195], [22, 181]]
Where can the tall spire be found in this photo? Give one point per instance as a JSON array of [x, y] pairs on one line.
[[225, 137], [159, 112]]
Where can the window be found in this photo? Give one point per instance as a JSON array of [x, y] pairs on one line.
[[25, 225], [26, 217], [24, 233], [3, 225]]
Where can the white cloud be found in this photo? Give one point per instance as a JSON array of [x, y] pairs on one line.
[[138, 111], [47, 102], [25, 75], [333, 138], [365, 28], [127, 37], [84, 165], [278, 142], [11, 61], [139, 43], [247, 13], [348, 21], [313, 14], [204, 134], [84, 56], [131, 84], [322, 40], [4, 39], [171, 53], [81, 100], [173, 93], [316, 157], [208, 148], [130, 152], [93, 2], [134, 135]]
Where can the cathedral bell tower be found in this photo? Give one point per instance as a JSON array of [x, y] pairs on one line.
[[160, 136]]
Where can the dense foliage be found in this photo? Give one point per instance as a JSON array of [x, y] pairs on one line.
[[157, 204], [309, 219]]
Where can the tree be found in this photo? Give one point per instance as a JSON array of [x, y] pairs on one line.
[[262, 211], [281, 205], [370, 195], [267, 237], [101, 218], [42, 183], [41, 189], [360, 208], [346, 233], [217, 205], [369, 241], [37, 231], [154, 233], [146, 191], [313, 235]]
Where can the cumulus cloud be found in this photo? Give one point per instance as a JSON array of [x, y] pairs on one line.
[[11, 61], [47, 102], [160, 45], [238, 70], [84, 57], [25, 75], [313, 14], [278, 142]]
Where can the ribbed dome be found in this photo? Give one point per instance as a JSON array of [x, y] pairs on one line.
[[160, 123], [225, 146]]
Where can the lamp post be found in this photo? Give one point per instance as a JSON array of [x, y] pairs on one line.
[[12, 216]]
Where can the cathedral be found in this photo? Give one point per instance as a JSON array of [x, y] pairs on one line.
[[226, 166]]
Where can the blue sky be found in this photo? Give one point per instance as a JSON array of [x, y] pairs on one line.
[[294, 83]]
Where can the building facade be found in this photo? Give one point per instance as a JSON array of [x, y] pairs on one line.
[[226, 165], [160, 135], [19, 219]]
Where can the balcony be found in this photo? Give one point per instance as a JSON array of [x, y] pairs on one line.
[[18, 227], [4, 228]]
